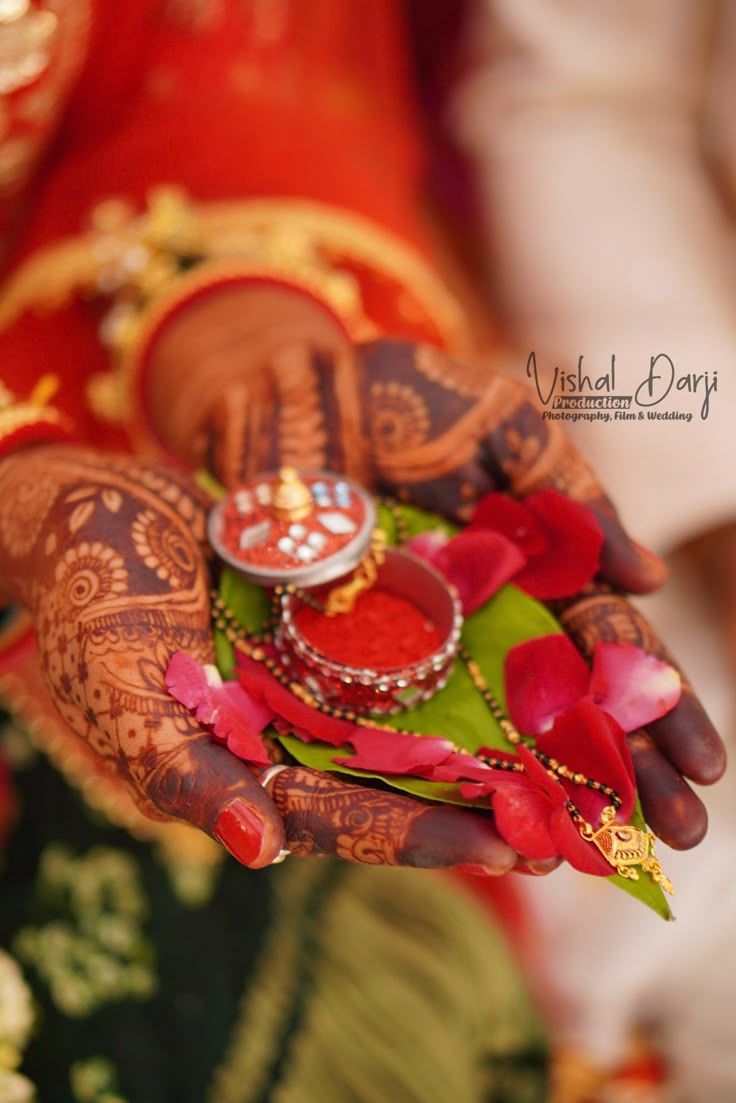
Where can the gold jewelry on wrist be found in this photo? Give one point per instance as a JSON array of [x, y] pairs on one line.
[[30, 421], [152, 263]]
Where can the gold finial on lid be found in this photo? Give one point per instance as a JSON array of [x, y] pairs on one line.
[[292, 499]]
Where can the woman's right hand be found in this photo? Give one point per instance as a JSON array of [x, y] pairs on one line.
[[271, 379]]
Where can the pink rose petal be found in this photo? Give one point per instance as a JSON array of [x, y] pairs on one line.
[[233, 715], [478, 564], [394, 752], [292, 714], [632, 686], [543, 678], [186, 680], [425, 545], [590, 742]]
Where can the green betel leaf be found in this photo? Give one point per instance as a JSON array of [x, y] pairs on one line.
[[457, 712], [645, 889], [250, 605]]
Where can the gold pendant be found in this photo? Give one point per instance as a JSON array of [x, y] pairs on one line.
[[627, 848]]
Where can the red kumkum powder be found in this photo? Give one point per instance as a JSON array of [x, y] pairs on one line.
[[383, 631]]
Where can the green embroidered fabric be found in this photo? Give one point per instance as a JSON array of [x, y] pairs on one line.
[[314, 980]]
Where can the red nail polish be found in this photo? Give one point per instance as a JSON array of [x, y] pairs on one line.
[[240, 830], [477, 871]]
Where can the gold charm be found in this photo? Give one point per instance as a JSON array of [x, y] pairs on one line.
[[292, 499], [626, 848], [26, 40], [342, 599]]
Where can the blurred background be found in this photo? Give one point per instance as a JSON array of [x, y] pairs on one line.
[[595, 147], [570, 168]]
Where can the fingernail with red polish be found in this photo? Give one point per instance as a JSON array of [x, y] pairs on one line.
[[477, 871], [241, 831]]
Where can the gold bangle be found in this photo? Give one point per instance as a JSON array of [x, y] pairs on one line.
[[30, 421]]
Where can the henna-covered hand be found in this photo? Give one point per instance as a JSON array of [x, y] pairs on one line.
[[109, 555], [488, 434], [414, 423]]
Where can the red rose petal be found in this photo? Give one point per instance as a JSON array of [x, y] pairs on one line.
[[466, 767], [521, 808], [478, 564], [512, 519], [492, 782], [543, 678], [295, 715], [395, 752], [522, 818], [234, 717], [572, 555], [563, 832], [632, 686], [539, 776], [425, 545], [240, 719], [186, 680], [581, 854], [590, 742]]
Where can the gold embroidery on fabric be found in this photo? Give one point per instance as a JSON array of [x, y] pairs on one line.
[[16, 1024], [267, 1001], [191, 859], [95, 1080], [94, 951], [137, 259], [456, 1008], [27, 35], [46, 46]]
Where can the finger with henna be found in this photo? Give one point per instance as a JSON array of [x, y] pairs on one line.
[[673, 811], [324, 815]]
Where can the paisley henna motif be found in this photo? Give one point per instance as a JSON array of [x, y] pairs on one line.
[[117, 582], [416, 424], [599, 613], [109, 612], [490, 438]]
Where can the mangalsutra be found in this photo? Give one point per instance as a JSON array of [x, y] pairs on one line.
[[626, 848]]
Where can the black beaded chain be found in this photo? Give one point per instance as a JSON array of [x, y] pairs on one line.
[[552, 766], [638, 853], [400, 526], [254, 646]]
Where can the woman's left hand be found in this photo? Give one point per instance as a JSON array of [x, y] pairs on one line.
[[413, 423], [109, 554]]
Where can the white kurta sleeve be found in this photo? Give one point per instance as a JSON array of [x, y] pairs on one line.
[[608, 236]]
